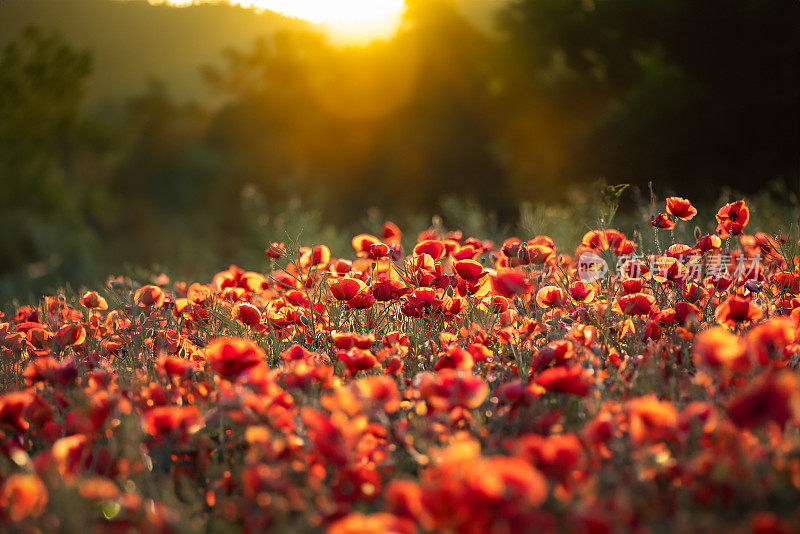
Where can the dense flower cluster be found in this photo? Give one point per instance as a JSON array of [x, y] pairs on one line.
[[465, 387]]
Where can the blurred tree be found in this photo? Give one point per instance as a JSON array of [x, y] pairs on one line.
[[44, 194], [680, 92]]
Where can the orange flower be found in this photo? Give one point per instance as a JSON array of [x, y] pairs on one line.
[[149, 296], [719, 349], [93, 300], [247, 314], [363, 300], [736, 310], [363, 242], [357, 360], [172, 422], [448, 389], [346, 288], [357, 523], [510, 282], [550, 297], [580, 291], [732, 218], [681, 208], [635, 304], [70, 334], [12, 406], [231, 356], [435, 249], [651, 419], [391, 233], [23, 496], [663, 221], [275, 250]]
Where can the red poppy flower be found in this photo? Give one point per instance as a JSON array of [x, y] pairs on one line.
[[681, 208], [435, 249], [717, 348], [732, 218], [275, 250], [247, 314], [573, 380], [357, 360], [93, 300], [663, 221], [581, 291], [346, 288], [22, 496], [510, 282], [149, 296], [362, 244], [737, 309], [468, 269], [232, 356], [550, 297], [391, 233], [635, 304], [774, 396]]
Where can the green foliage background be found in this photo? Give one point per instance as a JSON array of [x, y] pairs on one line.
[[501, 120]]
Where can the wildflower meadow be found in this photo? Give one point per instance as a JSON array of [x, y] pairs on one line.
[[641, 380]]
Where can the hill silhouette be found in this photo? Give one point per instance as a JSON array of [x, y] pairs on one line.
[[132, 41]]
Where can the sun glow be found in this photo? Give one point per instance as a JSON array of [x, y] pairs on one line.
[[351, 20]]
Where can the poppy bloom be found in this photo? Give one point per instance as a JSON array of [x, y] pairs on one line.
[[389, 290], [719, 349], [231, 356], [681, 208], [172, 421], [391, 233], [774, 396], [435, 249], [447, 389], [510, 282], [663, 221], [247, 314], [495, 303], [732, 218], [93, 300], [573, 380], [357, 360], [149, 296], [363, 300], [275, 250], [580, 291], [346, 288], [362, 244], [550, 297], [635, 304], [737, 309], [651, 419], [23, 496], [356, 523], [319, 256], [608, 239], [468, 269]]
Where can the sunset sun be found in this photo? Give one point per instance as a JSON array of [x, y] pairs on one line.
[[351, 19], [347, 20]]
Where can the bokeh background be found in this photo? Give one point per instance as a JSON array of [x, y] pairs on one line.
[[135, 136]]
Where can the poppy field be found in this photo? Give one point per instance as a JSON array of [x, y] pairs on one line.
[[459, 385]]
